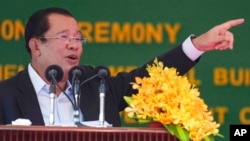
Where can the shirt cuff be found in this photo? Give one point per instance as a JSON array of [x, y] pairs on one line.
[[190, 50]]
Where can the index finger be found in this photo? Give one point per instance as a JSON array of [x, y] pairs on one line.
[[229, 24]]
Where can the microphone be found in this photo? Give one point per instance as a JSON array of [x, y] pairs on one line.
[[54, 74], [75, 73], [103, 73]]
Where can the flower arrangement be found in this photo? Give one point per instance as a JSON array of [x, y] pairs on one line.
[[170, 99]]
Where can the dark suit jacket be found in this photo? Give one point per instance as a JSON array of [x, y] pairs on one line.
[[18, 98]]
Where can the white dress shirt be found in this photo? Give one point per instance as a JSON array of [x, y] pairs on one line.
[[64, 111]]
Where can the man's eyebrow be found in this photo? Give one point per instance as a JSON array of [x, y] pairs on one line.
[[63, 31], [67, 31], [78, 31]]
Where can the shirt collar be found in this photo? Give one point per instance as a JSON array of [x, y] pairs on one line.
[[38, 82]]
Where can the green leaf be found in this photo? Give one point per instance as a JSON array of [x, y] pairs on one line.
[[220, 135], [181, 133], [128, 99], [145, 120], [209, 138], [170, 129]]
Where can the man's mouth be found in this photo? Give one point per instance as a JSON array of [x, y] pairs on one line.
[[72, 57]]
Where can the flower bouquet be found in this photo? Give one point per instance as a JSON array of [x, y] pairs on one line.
[[170, 99]]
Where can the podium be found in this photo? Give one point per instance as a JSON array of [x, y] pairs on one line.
[[56, 133]]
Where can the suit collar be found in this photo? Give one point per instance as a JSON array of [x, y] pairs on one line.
[[27, 99]]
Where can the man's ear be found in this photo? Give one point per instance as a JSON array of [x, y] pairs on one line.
[[33, 45]]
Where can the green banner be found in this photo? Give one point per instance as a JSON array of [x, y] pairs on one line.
[[125, 34]]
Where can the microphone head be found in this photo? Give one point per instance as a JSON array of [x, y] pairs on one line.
[[102, 71], [54, 71], [76, 71]]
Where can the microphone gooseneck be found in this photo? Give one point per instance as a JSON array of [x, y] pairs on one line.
[[102, 91], [75, 73], [54, 74], [101, 72]]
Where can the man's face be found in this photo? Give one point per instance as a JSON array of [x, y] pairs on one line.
[[60, 48]]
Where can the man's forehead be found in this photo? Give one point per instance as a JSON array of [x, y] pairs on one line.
[[62, 24]]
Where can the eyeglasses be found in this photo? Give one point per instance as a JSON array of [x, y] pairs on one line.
[[64, 38]]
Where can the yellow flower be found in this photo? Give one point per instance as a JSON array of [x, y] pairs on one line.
[[171, 99]]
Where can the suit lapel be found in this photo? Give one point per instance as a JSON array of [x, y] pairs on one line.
[[27, 99]]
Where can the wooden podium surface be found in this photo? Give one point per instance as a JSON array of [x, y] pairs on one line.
[[56, 133]]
